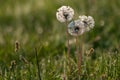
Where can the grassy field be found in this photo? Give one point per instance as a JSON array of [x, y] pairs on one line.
[[33, 24]]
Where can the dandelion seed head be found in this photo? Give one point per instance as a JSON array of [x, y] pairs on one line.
[[88, 22], [65, 13], [76, 28]]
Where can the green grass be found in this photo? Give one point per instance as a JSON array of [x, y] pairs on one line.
[[33, 23], [104, 65]]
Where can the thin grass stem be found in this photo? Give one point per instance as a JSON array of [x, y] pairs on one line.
[[37, 63]]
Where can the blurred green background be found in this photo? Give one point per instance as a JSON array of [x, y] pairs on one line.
[[33, 23]]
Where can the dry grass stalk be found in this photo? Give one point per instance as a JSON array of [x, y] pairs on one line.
[[17, 46]]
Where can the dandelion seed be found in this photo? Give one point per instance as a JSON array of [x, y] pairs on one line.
[[65, 13], [88, 22], [76, 28]]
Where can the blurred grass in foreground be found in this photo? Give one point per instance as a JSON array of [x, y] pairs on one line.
[[33, 23]]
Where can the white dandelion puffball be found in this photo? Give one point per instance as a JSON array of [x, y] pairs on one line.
[[88, 22], [65, 13], [76, 28]]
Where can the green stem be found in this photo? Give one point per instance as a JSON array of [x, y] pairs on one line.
[[37, 63]]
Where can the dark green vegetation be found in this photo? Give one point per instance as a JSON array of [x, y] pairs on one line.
[[33, 23]]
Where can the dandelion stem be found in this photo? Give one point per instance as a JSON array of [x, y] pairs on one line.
[[79, 56], [77, 50], [64, 75], [68, 45], [37, 63]]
